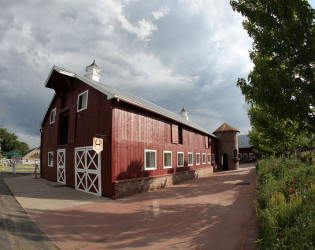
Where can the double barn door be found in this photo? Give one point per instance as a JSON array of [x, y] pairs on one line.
[[88, 170]]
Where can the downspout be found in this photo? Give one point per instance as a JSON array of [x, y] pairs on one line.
[[41, 153], [114, 105]]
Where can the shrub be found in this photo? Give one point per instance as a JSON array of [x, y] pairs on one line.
[[286, 198]]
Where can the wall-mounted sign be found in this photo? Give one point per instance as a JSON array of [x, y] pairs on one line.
[[97, 144]]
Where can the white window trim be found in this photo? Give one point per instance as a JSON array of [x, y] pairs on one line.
[[204, 158], [197, 163], [52, 112], [87, 96], [212, 158], [192, 159], [145, 159], [209, 158], [182, 153], [52, 162], [165, 167]]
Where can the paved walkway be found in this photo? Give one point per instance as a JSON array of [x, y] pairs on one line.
[[17, 231], [215, 212]]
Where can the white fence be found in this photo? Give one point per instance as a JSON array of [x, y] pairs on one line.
[[6, 165]]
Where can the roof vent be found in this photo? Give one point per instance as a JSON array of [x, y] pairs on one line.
[[184, 114], [93, 72]]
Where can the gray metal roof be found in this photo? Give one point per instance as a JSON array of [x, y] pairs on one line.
[[243, 141], [111, 92]]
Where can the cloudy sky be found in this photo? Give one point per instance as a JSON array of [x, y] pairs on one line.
[[174, 53]]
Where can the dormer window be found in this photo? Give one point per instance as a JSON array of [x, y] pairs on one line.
[[82, 101], [52, 116]]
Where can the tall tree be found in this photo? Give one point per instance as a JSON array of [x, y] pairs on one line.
[[270, 135], [9, 141], [283, 54]]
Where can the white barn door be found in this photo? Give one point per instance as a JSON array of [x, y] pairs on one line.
[[88, 170], [61, 166]]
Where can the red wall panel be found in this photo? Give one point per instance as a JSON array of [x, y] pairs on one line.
[[135, 130]]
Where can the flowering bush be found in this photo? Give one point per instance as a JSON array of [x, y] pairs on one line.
[[286, 204]]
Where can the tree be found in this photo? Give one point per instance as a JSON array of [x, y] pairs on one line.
[[9, 141], [271, 135], [283, 53]]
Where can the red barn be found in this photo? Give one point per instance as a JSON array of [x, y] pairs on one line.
[[145, 147]]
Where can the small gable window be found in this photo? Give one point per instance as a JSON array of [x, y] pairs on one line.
[[52, 116], [82, 101]]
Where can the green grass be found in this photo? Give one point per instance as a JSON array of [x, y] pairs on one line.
[[286, 204]]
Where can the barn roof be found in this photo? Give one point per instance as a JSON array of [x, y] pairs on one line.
[[111, 92], [243, 141], [226, 128]]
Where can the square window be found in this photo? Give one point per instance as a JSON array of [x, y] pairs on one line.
[[203, 158], [197, 158], [180, 159], [52, 116], [82, 101], [209, 158], [149, 159], [213, 158], [190, 159], [50, 159], [167, 159]]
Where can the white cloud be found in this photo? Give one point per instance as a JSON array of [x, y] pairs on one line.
[[161, 13]]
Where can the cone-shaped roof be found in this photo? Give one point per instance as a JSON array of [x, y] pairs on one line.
[[93, 65], [226, 128]]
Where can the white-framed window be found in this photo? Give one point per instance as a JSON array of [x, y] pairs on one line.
[[209, 158], [245, 156], [180, 159], [82, 101], [203, 158], [167, 159], [52, 116], [50, 159], [197, 158], [149, 159], [212, 158], [190, 158], [251, 156]]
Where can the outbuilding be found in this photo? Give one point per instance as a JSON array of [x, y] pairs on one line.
[[144, 147]]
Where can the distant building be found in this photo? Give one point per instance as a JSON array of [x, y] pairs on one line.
[[32, 156], [246, 152]]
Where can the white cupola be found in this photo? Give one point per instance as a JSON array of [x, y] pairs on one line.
[[93, 72], [184, 114]]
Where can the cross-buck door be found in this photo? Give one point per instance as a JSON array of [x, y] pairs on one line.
[[88, 170], [61, 166]]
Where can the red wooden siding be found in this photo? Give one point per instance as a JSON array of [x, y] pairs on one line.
[[83, 126], [135, 130]]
